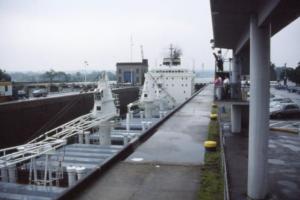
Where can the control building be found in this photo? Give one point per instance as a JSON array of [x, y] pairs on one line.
[[132, 72]]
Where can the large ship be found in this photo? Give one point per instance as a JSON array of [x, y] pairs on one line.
[[166, 86], [50, 165]]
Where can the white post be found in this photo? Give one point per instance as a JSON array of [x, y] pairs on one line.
[[131, 114], [80, 172], [160, 114], [236, 119], [127, 122], [87, 137], [71, 170], [259, 110], [104, 133], [147, 110], [80, 137], [12, 175], [149, 124], [4, 175], [143, 125], [142, 115]]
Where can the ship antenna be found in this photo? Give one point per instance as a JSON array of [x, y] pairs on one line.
[[171, 55], [142, 52], [131, 46]]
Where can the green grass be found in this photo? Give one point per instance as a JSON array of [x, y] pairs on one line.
[[212, 181]]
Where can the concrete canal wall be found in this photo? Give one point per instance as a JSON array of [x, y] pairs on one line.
[[22, 121]]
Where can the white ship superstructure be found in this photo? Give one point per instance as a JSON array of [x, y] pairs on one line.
[[167, 86]]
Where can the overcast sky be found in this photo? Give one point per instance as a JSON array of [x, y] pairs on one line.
[[37, 35]]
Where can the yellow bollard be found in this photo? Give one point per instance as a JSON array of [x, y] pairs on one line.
[[213, 116], [210, 145]]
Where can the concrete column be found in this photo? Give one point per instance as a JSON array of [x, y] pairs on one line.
[[12, 173], [4, 175], [127, 122], [104, 133], [87, 137], [236, 119], [235, 78], [71, 170], [259, 110]]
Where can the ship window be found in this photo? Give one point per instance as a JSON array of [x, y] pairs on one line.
[[6, 88], [98, 108], [98, 96]]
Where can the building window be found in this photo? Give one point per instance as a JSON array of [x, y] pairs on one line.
[[184, 91], [137, 71], [145, 95], [6, 88], [98, 108], [137, 79], [120, 71], [120, 79]]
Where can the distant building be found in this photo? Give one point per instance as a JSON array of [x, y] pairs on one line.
[[132, 72], [5, 91]]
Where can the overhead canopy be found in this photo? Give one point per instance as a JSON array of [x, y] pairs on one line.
[[231, 18]]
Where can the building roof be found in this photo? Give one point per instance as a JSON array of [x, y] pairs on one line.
[[144, 62], [230, 18]]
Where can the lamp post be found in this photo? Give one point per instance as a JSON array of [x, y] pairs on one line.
[[86, 65]]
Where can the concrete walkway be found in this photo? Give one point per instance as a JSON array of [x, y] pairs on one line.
[[167, 166]]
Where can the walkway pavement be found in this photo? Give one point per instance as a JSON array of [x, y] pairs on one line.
[[283, 169], [167, 166]]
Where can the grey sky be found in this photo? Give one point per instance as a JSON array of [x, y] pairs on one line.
[[60, 34]]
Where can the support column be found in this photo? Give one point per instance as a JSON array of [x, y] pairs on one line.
[[236, 119], [259, 110], [235, 78]]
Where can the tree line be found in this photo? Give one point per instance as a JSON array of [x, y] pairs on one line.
[[56, 76], [293, 74]]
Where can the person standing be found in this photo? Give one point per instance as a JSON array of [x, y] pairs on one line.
[[226, 83]]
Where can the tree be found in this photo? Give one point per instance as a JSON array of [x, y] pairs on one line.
[[272, 72], [61, 76], [4, 76], [50, 75]]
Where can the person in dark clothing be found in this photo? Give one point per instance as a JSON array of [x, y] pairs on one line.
[[219, 60]]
